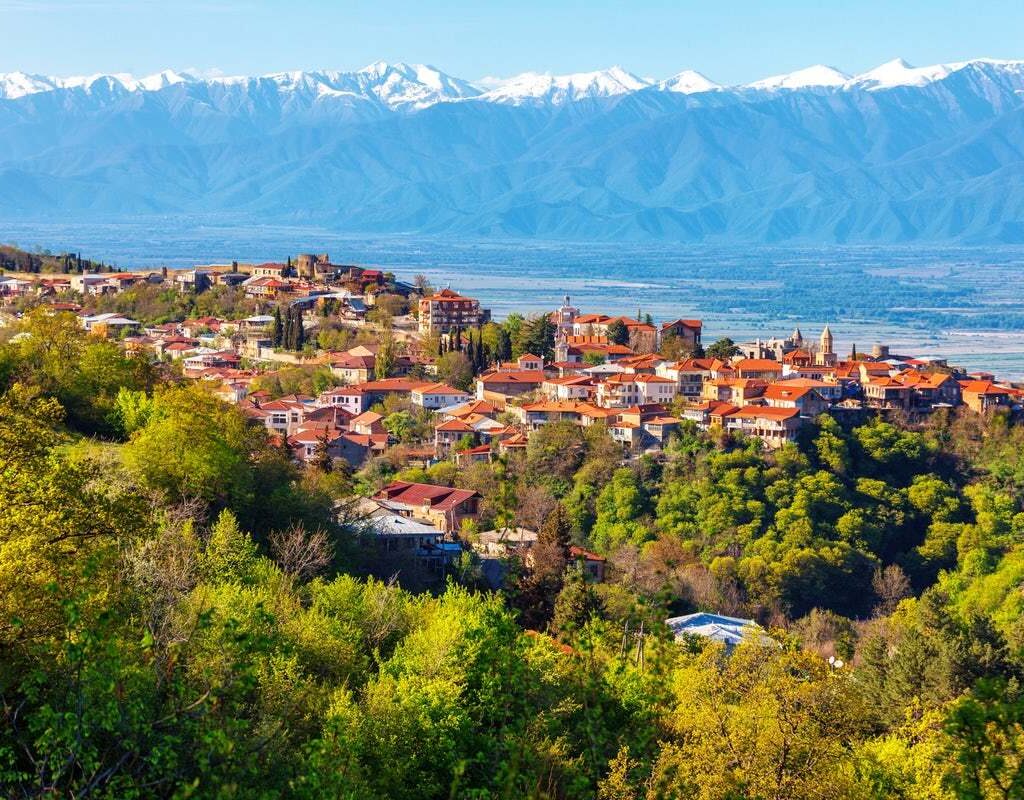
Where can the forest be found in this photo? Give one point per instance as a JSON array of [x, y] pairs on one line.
[[186, 613]]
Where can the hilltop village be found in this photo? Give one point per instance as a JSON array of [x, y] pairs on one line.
[[325, 529], [346, 364]]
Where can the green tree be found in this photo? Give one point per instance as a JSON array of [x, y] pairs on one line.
[[617, 332], [455, 369], [621, 512], [724, 349]]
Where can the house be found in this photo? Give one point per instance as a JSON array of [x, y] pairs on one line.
[[204, 358], [573, 349], [687, 331], [449, 433], [983, 396], [593, 564], [528, 361], [533, 415], [773, 426], [729, 631], [193, 280], [630, 389], [376, 391], [445, 311], [711, 412], [758, 368], [353, 368], [885, 393], [499, 385], [307, 439], [570, 387], [92, 283], [270, 270], [109, 324], [437, 395], [931, 389], [689, 375], [441, 506], [805, 399], [368, 423], [477, 407], [350, 398], [479, 454], [643, 337], [733, 390], [283, 416], [515, 442], [642, 364], [355, 448]]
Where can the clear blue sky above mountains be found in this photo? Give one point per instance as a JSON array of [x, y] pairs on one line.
[[731, 42]]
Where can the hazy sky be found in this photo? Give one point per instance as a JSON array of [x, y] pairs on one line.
[[731, 41]]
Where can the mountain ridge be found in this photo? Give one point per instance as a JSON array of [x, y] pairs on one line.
[[895, 154]]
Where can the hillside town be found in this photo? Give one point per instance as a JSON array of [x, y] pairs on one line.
[[429, 378], [320, 506]]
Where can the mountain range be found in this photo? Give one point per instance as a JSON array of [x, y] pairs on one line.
[[896, 154]]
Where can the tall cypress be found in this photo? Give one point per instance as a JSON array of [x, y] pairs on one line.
[[277, 331], [300, 331]]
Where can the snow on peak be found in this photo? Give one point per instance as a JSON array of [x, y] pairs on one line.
[[899, 73], [536, 86], [411, 85], [19, 84], [162, 80], [818, 75], [688, 82]]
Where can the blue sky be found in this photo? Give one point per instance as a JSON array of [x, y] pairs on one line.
[[731, 41]]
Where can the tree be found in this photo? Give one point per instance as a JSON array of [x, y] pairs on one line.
[[401, 425], [455, 369], [503, 346], [194, 445], [621, 507], [230, 554], [617, 332], [277, 328], [537, 336], [322, 455], [986, 739], [724, 349], [384, 359], [576, 603]]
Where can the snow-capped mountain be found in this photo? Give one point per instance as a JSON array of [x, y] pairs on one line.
[[559, 89], [897, 153], [818, 75], [688, 82]]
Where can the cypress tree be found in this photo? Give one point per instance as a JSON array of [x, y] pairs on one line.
[[300, 331], [277, 331]]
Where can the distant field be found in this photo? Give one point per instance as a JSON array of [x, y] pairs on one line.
[[965, 303]]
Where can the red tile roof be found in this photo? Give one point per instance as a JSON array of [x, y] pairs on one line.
[[441, 498]]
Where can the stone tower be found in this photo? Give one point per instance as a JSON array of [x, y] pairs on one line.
[[826, 354]]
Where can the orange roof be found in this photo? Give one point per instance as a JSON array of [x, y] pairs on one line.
[[983, 387], [779, 391], [439, 388], [454, 426], [473, 407], [514, 376], [444, 296], [758, 364], [686, 323]]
